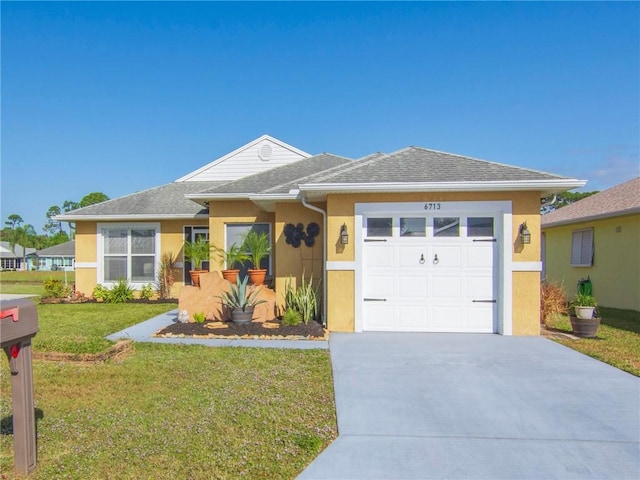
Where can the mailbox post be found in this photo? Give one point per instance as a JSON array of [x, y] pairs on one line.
[[18, 324]]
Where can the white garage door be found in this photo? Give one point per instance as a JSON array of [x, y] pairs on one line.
[[429, 272]]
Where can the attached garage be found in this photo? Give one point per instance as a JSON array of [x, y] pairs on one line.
[[430, 267]]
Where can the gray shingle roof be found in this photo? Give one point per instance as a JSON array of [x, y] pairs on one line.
[[281, 179], [66, 249], [18, 251], [416, 164], [622, 199], [166, 200]]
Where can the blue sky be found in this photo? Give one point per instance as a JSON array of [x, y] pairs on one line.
[[119, 97]]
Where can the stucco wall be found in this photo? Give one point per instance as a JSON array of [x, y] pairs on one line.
[[296, 261], [526, 285], [615, 273]]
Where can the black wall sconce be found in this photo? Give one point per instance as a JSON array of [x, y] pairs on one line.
[[344, 235], [525, 234]]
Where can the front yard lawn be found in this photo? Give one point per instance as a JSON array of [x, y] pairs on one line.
[[617, 342], [169, 411]]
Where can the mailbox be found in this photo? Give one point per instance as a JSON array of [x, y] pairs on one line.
[[18, 324]]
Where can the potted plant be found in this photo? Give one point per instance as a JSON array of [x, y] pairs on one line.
[[196, 253], [259, 247], [229, 258], [584, 323], [241, 300]]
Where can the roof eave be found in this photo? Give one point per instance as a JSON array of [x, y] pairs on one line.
[[127, 217], [545, 187], [590, 218]]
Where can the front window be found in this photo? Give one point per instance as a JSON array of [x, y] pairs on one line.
[[235, 233], [582, 248], [129, 252]]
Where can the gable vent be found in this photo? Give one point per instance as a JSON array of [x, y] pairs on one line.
[[265, 152]]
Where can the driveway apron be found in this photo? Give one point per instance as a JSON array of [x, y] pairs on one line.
[[465, 406]]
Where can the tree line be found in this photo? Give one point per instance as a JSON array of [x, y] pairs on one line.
[[16, 232]]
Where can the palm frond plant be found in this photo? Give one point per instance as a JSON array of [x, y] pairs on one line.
[[196, 253], [229, 258], [259, 247]]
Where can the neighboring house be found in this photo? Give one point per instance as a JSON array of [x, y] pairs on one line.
[[598, 238], [58, 257], [13, 258], [415, 240]]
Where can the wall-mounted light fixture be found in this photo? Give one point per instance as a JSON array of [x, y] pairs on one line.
[[344, 235], [525, 234]]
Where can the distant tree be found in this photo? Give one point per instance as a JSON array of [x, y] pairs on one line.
[[562, 200], [93, 198], [13, 220], [53, 227], [69, 205]]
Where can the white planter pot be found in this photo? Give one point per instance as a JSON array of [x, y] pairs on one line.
[[584, 313]]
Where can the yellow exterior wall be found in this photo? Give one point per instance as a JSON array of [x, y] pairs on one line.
[[171, 240], [615, 273], [526, 285], [221, 213], [296, 261]]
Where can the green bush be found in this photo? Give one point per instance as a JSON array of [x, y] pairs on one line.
[[199, 317], [54, 288], [100, 292], [146, 292], [303, 299], [121, 292], [291, 318]]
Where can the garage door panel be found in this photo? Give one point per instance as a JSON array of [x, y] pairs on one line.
[[480, 318], [480, 257], [445, 287], [479, 288], [412, 318], [379, 256], [409, 256], [445, 256], [412, 287], [445, 318], [380, 285], [379, 316]]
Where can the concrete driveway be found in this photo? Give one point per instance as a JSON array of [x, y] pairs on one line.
[[427, 406]]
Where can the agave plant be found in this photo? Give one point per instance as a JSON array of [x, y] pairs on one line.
[[241, 296]]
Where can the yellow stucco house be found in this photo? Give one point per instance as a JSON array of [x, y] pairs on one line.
[[414, 240], [597, 238]]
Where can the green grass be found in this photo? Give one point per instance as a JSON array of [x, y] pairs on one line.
[[171, 411], [81, 327], [30, 282], [168, 411], [617, 342]]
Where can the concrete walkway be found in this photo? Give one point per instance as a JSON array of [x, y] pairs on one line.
[[464, 406], [143, 332]]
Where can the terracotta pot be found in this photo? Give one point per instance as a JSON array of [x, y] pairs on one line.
[[256, 277], [230, 275], [238, 316], [195, 276]]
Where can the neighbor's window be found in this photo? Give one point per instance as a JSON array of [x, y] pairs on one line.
[[446, 227], [130, 253], [582, 248], [379, 227]]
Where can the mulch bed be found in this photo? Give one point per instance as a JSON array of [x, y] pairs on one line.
[[273, 329]]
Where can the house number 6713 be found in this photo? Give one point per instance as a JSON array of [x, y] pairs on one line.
[[432, 206]]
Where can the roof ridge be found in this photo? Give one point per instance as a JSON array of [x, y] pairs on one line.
[[348, 168]]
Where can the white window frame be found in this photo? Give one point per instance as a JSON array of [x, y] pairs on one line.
[[250, 224], [102, 227], [582, 247]]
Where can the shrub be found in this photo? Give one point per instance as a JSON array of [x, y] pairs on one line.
[[146, 292], [552, 301], [291, 317], [100, 292], [166, 275], [121, 292], [54, 288], [303, 299], [199, 317]]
